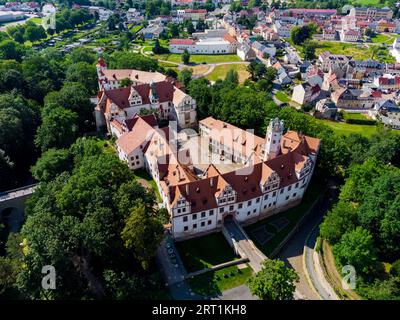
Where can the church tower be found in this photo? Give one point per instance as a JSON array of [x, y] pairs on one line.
[[100, 67], [273, 139]]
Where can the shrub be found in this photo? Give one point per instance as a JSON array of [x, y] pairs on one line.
[[356, 118], [395, 269]]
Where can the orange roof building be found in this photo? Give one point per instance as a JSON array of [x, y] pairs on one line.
[[247, 177]]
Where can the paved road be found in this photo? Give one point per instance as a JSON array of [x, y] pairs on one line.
[[174, 276], [314, 270], [12, 194], [241, 292], [292, 253]]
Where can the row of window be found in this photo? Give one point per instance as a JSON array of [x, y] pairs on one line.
[[203, 215], [194, 226]]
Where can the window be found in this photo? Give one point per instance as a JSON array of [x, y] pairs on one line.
[[195, 226], [249, 203], [221, 210], [137, 162], [194, 216], [185, 218], [179, 210], [203, 214], [240, 206], [183, 209], [281, 191], [258, 200], [289, 188], [231, 208], [203, 224], [274, 194], [265, 207], [211, 213], [266, 197], [185, 228], [248, 213], [137, 157], [254, 211], [209, 222], [294, 194], [297, 185], [287, 197]]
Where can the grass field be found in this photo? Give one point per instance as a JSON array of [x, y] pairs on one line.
[[382, 38], [36, 20], [200, 58], [142, 174], [293, 215], [346, 128], [205, 252], [212, 283], [220, 72], [281, 96], [356, 50]]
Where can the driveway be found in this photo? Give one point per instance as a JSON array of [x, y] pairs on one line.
[[174, 276], [292, 252]]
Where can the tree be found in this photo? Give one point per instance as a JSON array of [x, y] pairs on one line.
[[126, 82], [6, 170], [74, 97], [300, 34], [171, 73], [82, 54], [59, 128], [142, 234], [83, 73], [200, 90], [190, 27], [309, 50], [186, 57], [356, 248], [274, 281], [232, 76], [34, 33], [341, 219], [173, 29], [10, 49], [52, 163], [185, 76], [130, 60]]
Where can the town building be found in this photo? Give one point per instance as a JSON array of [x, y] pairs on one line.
[[305, 93], [387, 82], [217, 45], [364, 13]]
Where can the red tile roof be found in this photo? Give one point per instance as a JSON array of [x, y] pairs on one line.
[[182, 42]]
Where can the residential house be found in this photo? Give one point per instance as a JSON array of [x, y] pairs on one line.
[[305, 93]]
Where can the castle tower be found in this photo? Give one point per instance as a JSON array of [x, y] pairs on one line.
[[273, 139]]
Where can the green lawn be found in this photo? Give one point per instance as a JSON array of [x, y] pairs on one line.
[[142, 174], [204, 252], [375, 3], [355, 116], [220, 72], [136, 28], [281, 96], [212, 283], [200, 58], [382, 38], [356, 50], [36, 20], [293, 215], [346, 128]]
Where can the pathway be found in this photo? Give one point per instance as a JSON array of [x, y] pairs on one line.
[[296, 253], [255, 256], [182, 66], [174, 275]]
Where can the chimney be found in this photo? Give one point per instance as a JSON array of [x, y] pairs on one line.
[[211, 182], [187, 189]]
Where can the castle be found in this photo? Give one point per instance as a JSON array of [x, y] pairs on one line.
[[223, 171]]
